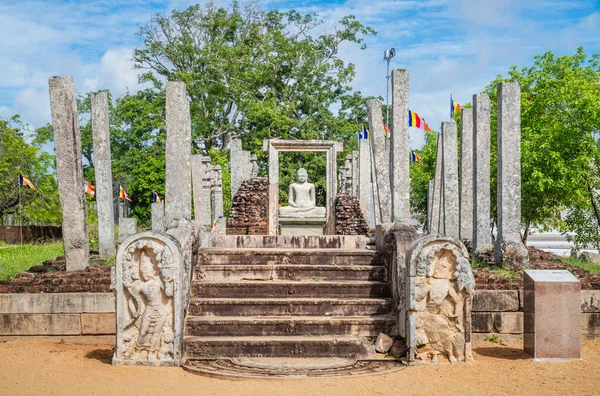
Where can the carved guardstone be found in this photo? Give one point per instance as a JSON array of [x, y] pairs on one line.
[[150, 307], [439, 296]]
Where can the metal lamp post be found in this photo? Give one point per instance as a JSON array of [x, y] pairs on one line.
[[387, 56]]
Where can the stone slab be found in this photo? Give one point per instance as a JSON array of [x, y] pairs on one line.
[[590, 301], [552, 305], [482, 322], [98, 324], [482, 238], [57, 303], [450, 194], [495, 300], [508, 322], [381, 161], [40, 324], [400, 148], [466, 175]]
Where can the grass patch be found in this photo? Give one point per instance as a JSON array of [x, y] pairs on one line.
[[18, 258], [574, 262]]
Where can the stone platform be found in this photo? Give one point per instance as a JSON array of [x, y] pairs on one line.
[[302, 225]]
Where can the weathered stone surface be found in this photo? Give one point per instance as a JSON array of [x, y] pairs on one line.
[[242, 165], [482, 238], [590, 324], [381, 161], [430, 189], [482, 322], [383, 343], [438, 299], [355, 170], [150, 300], [217, 200], [69, 169], [466, 175], [509, 251], [508, 322], [178, 181], [590, 257], [57, 303], [158, 216], [250, 208], [302, 225], [349, 218], [495, 300], [364, 176], [202, 181], [40, 324], [552, 317], [97, 324], [103, 174], [398, 349], [437, 213], [590, 301], [127, 227], [450, 180], [400, 148]]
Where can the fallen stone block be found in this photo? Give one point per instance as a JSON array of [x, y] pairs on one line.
[[383, 343]]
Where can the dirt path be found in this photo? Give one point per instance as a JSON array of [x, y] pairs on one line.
[[41, 367]]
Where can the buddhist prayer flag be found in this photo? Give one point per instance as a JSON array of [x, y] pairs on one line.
[[415, 120], [23, 181], [214, 226], [90, 189], [365, 133], [386, 131], [454, 107], [414, 157], [155, 197], [122, 193]]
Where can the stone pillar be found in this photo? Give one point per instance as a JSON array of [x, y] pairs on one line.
[[430, 189], [364, 174], [217, 200], [355, 173], [466, 175], [274, 187], [103, 172], [382, 161], [241, 166], [330, 180], [450, 179], [201, 179], [400, 148], [509, 250], [158, 216], [436, 202], [482, 238], [69, 169], [127, 227], [178, 194], [348, 174]]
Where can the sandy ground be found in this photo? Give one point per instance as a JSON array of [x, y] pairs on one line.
[[49, 368]]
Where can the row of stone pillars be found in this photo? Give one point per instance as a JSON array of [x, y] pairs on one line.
[[178, 198], [467, 216]]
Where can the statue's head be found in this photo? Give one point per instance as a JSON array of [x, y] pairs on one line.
[[147, 267], [301, 175]]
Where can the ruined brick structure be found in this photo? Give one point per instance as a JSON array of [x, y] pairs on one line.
[[349, 219], [249, 208]]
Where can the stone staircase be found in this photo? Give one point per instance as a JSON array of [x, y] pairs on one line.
[[287, 297]]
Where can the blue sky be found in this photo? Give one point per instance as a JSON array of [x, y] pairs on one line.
[[455, 46]]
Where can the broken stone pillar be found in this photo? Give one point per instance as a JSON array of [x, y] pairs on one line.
[[400, 148], [383, 201], [430, 188], [178, 194], [509, 250], [482, 237], [364, 174], [348, 174], [127, 227], [151, 294], [202, 182], [241, 165], [103, 172], [450, 179], [217, 200], [69, 169], [158, 216], [437, 219], [466, 175], [440, 286], [355, 173]]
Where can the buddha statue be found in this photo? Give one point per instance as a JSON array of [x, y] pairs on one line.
[[301, 199]]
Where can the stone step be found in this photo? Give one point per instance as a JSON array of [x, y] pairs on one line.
[[291, 241], [279, 346], [365, 326], [289, 272], [223, 256], [288, 306], [278, 289]]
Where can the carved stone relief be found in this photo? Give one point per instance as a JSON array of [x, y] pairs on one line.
[[149, 302], [439, 296]]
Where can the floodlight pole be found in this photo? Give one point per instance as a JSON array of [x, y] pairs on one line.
[[387, 56]]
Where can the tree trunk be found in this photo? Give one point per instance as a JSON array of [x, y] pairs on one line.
[[594, 204]]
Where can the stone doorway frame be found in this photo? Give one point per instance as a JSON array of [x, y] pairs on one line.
[[330, 147]]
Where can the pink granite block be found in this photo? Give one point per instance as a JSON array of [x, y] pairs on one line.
[[552, 319]]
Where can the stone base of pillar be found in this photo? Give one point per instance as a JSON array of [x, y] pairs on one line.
[[511, 255]]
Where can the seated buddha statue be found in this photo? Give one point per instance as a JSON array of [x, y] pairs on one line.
[[301, 199]]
